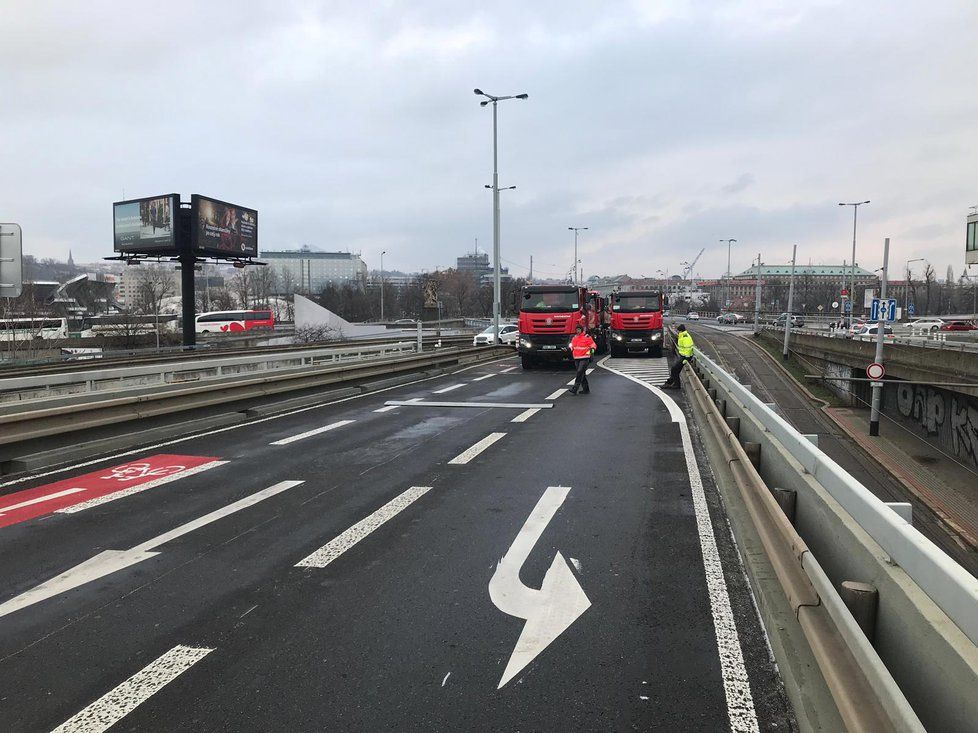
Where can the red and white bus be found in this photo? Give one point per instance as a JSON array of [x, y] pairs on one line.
[[235, 321]]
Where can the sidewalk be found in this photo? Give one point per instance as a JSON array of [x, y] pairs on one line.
[[950, 489]]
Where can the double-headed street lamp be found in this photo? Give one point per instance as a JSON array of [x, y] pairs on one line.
[[577, 262], [852, 280], [489, 98]]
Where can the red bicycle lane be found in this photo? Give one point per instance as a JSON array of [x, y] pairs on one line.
[[107, 484]]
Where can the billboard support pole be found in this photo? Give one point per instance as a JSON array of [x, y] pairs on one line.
[[189, 298]]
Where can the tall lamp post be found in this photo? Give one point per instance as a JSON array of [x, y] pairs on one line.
[[726, 291], [906, 295], [382, 253], [496, 288], [576, 261], [852, 280]]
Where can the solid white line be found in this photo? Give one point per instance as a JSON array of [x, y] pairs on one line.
[[343, 542], [448, 389], [98, 500], [422, 403], [557, 394], [526, 415], [119, 702], [507, 371], [479, 379], [736, 685], [248, 424], [470, 453], [310, 433], [38, 500]]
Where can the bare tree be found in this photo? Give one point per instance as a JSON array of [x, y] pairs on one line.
[[156, 284], [929, 277], [240, 287]]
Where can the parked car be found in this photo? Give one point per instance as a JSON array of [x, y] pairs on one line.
[[855, 328], [925, 324], [796, 320], [959, 326], [731, 319], [508, 334], [692, 316]]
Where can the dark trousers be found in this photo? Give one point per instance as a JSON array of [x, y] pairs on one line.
[[676, 368], [580, 381]]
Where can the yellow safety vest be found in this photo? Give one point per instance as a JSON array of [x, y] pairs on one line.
[[684, 342]]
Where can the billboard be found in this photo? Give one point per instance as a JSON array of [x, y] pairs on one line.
[[146, 225], [221, 229]]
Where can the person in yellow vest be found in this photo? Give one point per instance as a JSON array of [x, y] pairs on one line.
[[582, 349], [684, 352]]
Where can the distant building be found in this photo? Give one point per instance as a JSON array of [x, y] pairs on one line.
[[308, 271], [475, 262]]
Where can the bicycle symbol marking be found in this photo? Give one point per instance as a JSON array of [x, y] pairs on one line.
[[136, 471]]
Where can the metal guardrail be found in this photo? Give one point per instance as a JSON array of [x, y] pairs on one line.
[[945, 582], [924, 340], [117, 378]]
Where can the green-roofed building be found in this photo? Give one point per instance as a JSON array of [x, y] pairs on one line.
[[833, 272]]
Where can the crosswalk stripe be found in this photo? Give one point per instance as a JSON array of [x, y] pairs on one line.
[[651, 371]]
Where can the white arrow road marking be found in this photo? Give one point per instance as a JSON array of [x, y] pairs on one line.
[[38, 500], [548, 611], [116, 704], [343, 542], [110, 561], [310, 433]]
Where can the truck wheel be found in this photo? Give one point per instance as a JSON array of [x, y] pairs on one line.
[[526, 361]]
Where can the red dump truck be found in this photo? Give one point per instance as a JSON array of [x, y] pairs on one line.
[[636, 323], [548, 317]]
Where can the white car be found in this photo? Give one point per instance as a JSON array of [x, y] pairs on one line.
[[508, 334], [692, 316], [925, 324]]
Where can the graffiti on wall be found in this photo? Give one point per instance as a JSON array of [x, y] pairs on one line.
[[949, 419]]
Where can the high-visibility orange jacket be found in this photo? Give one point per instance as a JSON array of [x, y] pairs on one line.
[[582, 346]]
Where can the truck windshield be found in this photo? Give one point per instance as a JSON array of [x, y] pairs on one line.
[[547, 302], [636, 303]]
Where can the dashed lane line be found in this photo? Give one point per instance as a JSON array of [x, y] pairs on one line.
[[470, 453], [310, 433], [558, 393], [507, 371], [359, 531], [526, 415], [116, 704], [449, 388], [484, 376], [736, 684]]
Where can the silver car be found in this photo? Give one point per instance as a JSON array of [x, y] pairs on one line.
[[508, 333]]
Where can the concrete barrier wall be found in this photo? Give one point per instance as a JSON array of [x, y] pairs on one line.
[[945, 419]]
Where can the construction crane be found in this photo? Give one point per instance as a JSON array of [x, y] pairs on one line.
[[688, 272]]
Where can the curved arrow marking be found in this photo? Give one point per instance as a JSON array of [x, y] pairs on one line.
[[548, 611]]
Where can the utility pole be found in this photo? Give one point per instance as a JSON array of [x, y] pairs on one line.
[[874, 413], [530, 278], [576, 261], [726, 292], [382, 253], [757, 297], [791, 296], [852, 280]]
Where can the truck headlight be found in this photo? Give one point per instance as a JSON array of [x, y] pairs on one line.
[[656, 336], [526, 343], [618, 337]]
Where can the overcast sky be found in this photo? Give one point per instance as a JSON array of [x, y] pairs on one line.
[[663, 126]]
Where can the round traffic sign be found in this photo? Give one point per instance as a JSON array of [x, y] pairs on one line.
[[835, 304], [875, 371]]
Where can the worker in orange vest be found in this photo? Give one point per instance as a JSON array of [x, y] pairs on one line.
[[582, 349]]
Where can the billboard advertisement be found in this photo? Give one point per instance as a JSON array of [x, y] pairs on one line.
[[146, 225], [221, 229]]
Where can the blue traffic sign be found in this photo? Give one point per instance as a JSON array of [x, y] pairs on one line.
[[911, 310], [848, 306], [883, 309]]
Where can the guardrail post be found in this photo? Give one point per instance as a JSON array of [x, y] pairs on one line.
[[787, 500], [753, 451], [862, 600], [722, 407], [734, 424], [713, 394]]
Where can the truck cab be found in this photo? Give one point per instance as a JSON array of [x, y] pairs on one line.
[[548, 317], [636, 323]]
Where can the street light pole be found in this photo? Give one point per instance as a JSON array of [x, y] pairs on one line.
[[874, 412], [496, 287], [382, 253], [757, 297], [576, 261], [852, 280], [906, 295], [726, 291], [791, 296]]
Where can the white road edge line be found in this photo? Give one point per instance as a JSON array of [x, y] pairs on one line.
[[449, 388], [526, 415], [99, 500], [736, 684], [39, 500], [470, 453], [343, 542], [116, 704], [558, 393], [248, 424], [310, 433]]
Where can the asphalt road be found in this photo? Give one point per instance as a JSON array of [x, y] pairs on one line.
[[364, 566]]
